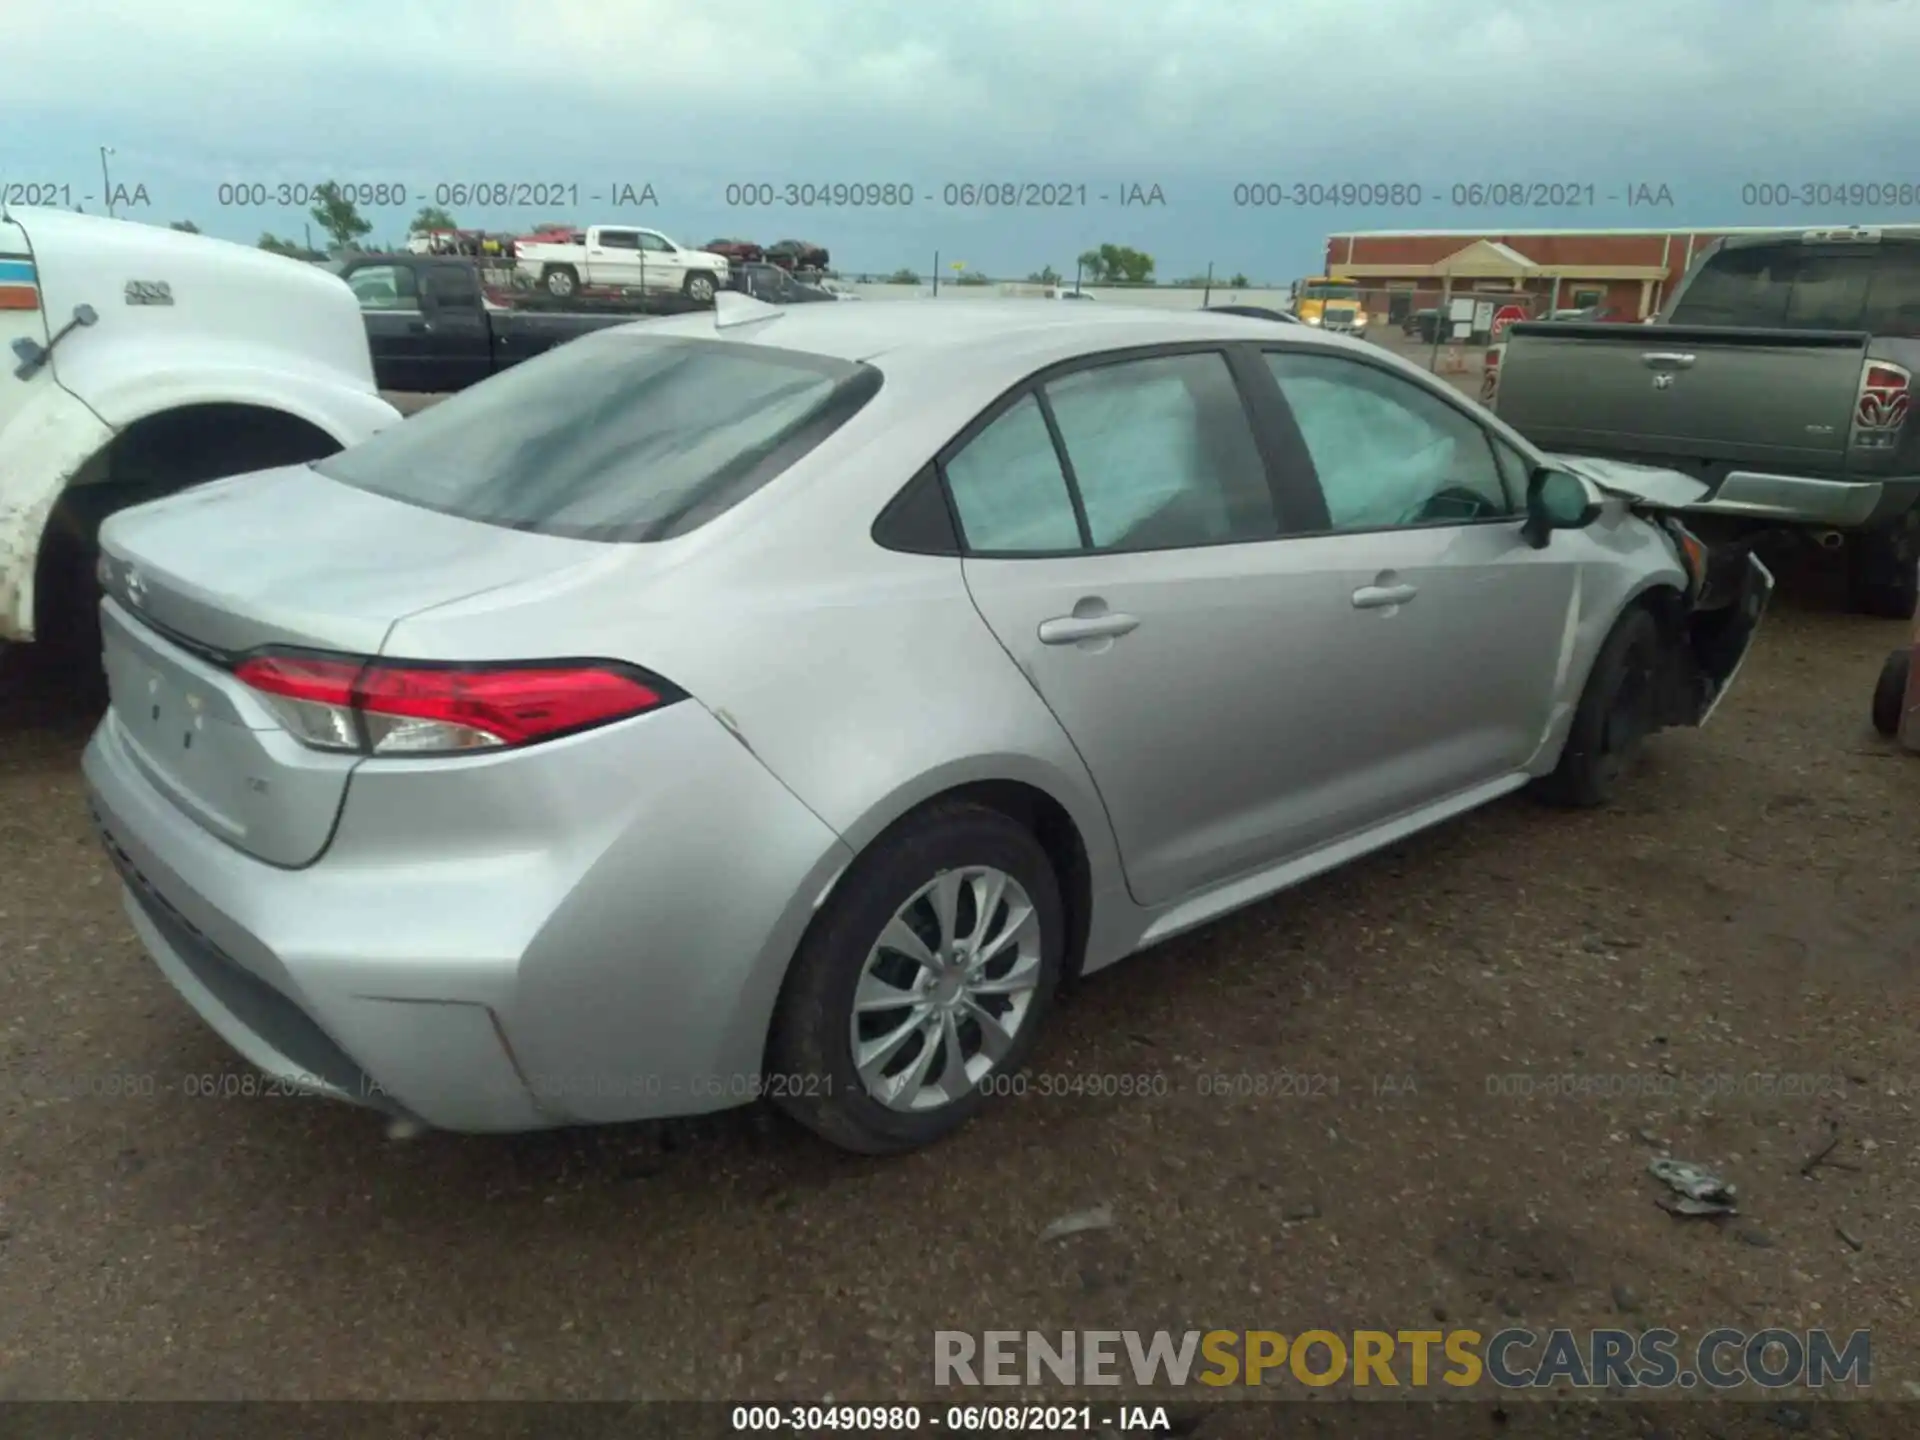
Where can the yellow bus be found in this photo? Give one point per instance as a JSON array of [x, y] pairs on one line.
[[1331, 302]]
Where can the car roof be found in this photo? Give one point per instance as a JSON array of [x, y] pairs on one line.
[[1008, 336]]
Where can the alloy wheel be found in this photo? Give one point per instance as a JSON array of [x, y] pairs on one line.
[[946, 989]]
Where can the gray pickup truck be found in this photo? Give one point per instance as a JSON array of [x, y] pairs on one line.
[[1780, 374]]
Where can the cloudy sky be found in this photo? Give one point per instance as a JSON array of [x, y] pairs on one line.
[[1195, 97]]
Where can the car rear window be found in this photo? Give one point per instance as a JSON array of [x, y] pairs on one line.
[[617, 436], [1801, 287]]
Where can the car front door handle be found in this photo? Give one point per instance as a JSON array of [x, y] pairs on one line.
[[1666, 360], [1379, 597], [1069, 629]]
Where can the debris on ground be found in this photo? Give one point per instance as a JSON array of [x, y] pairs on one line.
[[1098, 1217], [1852, 1239], [1699, 1190]]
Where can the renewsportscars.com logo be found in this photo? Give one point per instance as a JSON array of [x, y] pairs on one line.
[[1512, 1359]]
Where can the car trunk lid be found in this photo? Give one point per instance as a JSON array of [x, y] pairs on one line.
[[283, 559], [1781, 398]]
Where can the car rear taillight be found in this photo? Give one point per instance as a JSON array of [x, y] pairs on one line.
[[1886, 395], [380, 707]]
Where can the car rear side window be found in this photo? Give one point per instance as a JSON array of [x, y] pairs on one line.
[[616, 436], [1009, 489], [1163, 454]]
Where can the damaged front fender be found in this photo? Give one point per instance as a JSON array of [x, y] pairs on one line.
[[43, 446]]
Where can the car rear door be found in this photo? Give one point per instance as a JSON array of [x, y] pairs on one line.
[[459, 342], [1123, 539], [613, 256]]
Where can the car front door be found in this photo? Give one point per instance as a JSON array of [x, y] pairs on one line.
[[1448, 630], [397, 329], [613, 257], [1122, 538], [663, 267]]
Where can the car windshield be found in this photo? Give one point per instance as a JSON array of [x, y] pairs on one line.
[[616, 436]]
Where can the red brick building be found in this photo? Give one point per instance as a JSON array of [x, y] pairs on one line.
[[1630, 271]]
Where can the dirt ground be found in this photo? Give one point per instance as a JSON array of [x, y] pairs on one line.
[[1722, 965]]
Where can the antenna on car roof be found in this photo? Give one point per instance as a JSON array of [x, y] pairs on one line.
[[731, 308]]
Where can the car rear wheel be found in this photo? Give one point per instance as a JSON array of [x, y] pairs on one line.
[[1890, 694], [700, 287], [1617, 712], [1883, 574], [561, 281], [923, 984]]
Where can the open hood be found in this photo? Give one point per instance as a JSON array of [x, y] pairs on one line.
[[1650, 484]]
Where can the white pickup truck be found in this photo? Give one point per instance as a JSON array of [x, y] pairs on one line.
[[137, 361], [622, 257]]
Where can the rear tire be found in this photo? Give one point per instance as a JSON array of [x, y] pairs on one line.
[[1883, 574], [700, 287], [813, 1074], [561, 281], [1890, 694], [1614, 717]]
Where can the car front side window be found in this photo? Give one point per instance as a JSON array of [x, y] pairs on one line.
[[1388, 454]]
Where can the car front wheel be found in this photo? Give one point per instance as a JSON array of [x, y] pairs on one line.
[[1616, 713], [922, 987]]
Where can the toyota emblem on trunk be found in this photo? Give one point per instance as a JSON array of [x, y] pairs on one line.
[[1663, 382]]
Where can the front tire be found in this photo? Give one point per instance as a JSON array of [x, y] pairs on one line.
[[1615, 715], [922, 985], [1890, 693]]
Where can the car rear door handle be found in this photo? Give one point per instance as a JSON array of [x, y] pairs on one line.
[[1379, 597], [1067, 629], [1666, 360]]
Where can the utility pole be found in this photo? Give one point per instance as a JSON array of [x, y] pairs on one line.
[[106, 177]]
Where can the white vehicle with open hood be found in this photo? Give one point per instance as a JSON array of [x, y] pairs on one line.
[[137, 362]]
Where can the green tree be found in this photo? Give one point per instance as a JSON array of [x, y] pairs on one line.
[[972, 277], [1047, 275], [431, 217], [271, 242], [903, 277], [1194, 282], [1239, 282], [1118, 264], [335, 214], [186, 226]]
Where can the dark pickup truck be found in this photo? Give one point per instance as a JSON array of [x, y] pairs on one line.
[[1780, 374], [432, 329]]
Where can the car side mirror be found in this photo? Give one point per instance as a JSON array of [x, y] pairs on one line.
[[1556, 500]]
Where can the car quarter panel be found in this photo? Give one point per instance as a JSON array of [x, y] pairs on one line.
[[522, 910]]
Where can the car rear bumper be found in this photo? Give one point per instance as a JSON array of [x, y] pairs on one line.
[[1802, 500], [488, 950]]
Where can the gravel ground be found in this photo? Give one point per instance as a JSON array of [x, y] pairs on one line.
[[1724, 962]]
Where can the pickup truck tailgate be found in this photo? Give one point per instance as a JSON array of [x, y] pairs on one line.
[[1774, 398]]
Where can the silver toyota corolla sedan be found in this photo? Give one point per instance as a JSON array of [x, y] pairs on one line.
[[782, 703]]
